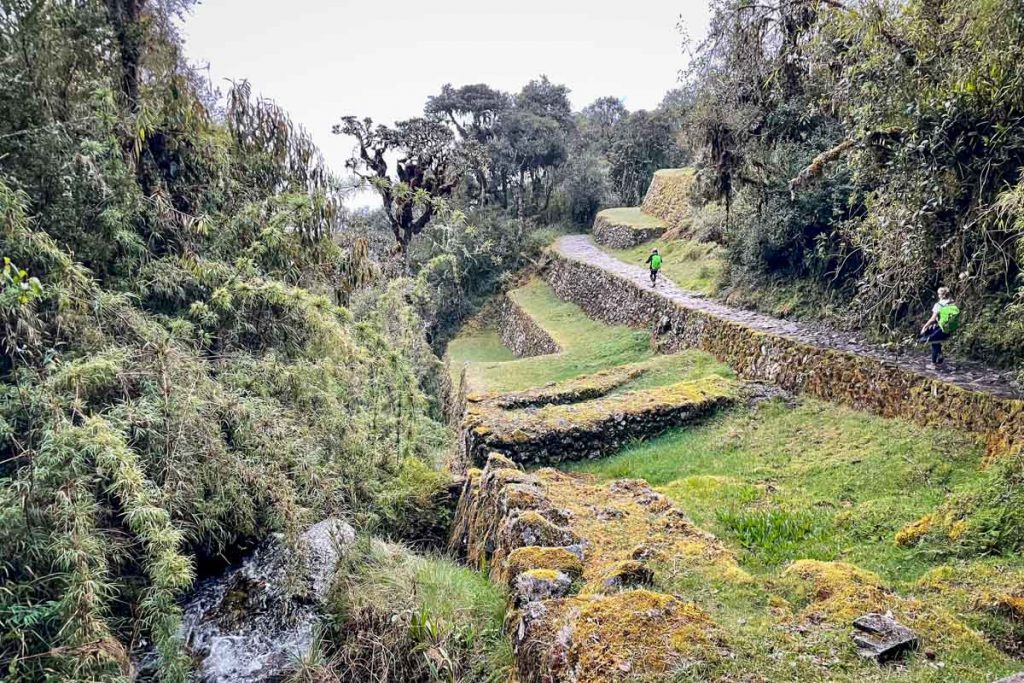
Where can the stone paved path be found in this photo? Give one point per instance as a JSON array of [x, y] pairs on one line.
[[961, 373]]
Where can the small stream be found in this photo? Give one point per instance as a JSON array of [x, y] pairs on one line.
[[254, 621]]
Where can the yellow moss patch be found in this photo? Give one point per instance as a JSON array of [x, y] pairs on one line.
[[980, 585], [1014, 603], [542, 574], [914, 532], [538, 557], [838, 590], [637, 633], [841, 592], [613, 517]]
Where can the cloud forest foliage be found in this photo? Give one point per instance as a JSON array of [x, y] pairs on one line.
[[178, 374], [874, 147]]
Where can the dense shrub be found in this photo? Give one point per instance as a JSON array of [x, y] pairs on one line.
[[873, 148], [178, 377]]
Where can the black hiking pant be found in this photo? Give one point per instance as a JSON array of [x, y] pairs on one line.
[[654, 276], [935, 336]]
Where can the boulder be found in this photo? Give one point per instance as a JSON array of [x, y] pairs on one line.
[[253, 622], [882, 638]]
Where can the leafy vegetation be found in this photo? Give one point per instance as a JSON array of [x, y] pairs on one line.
[[406, 617], [872, 148], [179, 376]]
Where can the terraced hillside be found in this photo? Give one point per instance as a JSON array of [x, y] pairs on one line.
[[743, 541]]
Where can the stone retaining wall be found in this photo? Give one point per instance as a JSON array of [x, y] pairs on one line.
[[840, 376], [668, 197], [555, 433], [521, 333], [620, 235], [580, 557]]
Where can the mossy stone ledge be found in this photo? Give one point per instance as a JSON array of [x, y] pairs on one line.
[[590, 429], [583, 605]]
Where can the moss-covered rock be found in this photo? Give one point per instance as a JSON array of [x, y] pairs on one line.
[[633, 635], [540, 584], [538, 557]]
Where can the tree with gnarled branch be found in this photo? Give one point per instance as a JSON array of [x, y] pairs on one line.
[[429, 167]]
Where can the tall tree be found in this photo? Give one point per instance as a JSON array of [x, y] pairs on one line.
[[428, 168]]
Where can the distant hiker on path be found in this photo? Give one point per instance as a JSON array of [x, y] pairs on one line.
[[655, 262], [944, 322]]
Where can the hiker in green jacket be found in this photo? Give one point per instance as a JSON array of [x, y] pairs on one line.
[[655, 262], [944, 322]]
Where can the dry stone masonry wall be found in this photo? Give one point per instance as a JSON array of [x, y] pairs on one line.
[[845, 377], [520, 333], [613, 231], [668, 197], [580, 557]]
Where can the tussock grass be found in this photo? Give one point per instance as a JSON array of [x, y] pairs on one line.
[[400, 616]]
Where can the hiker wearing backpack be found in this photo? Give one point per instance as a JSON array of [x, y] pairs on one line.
[[654, 260], [944, 321]]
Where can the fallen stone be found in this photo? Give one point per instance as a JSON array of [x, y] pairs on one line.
[[882, 638]]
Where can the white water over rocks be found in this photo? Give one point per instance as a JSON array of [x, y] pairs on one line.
[[254, 622]]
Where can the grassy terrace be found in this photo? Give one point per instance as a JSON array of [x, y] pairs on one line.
[[589, 346], [631, 216]]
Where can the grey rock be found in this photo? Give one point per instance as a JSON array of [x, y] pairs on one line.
[[530, 587], [882, 638], [255, 621], [1015, 678]]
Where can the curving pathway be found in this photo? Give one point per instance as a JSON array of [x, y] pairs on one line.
[[967, 375]]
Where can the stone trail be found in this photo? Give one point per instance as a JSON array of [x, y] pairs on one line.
[[970, 376]]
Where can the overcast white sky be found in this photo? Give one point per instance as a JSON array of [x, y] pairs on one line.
[[321, 59]]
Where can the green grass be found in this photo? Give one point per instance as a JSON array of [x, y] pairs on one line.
[[781, 482], [849, 471], [429, 614], [692, 265], [633, 217], [588, 346]]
